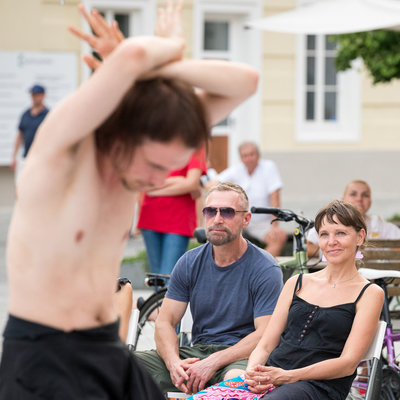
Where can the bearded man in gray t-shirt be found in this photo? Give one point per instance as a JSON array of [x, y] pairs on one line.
[[232, 287]]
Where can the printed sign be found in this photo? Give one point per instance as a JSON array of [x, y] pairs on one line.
[[19, 71]]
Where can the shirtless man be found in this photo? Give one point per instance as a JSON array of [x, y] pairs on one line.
[[112, 137]]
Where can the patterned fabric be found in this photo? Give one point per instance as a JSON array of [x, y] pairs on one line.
[[231, 389]]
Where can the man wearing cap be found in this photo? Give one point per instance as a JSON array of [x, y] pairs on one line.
[[29, 123]]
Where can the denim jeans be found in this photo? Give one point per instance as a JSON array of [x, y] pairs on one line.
[[163, 249]]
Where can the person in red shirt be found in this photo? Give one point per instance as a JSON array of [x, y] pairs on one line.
[[168, 215]]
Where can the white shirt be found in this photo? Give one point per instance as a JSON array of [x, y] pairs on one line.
[[264, 180], [376, 226]]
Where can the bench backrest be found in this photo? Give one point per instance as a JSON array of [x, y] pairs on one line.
[[382, 254]]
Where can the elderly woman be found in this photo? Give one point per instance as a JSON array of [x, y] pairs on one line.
[[323, 322]]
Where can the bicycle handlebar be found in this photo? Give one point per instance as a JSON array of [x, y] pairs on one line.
[[284, 215]]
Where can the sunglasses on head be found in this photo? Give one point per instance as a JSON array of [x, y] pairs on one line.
[[225, 212]]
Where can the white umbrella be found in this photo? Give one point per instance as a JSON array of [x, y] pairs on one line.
[[334, 17]]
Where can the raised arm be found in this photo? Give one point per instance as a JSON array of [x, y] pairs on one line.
[[213, 78], [80, 114], [214, 82], [125, 61]]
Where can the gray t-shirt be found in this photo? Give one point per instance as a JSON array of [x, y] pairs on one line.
[[225, 300]]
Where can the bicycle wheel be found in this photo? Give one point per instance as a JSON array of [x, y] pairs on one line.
[[146, 325], [391, 383], [362, 382]]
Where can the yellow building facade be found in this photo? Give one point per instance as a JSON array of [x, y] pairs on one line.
[[321, 135]]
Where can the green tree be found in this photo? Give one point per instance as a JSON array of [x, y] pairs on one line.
[[380, 51]]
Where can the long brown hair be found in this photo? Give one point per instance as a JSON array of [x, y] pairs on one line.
[[160, 110]]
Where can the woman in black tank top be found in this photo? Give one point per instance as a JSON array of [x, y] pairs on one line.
[[323, 322]]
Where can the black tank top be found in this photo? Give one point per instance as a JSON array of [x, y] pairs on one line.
[[314, 334]]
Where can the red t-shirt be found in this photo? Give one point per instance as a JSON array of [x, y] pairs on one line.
[[173, 214]]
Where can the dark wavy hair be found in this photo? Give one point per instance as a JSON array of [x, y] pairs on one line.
[[160, 110], [346, 214]]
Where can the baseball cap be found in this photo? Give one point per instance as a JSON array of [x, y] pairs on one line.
[[35, 89]]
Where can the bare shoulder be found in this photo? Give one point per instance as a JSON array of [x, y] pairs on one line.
[[290, 284], [371, 300], [374, 291], [306, 279]]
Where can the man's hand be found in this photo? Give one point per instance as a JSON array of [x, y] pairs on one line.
[[169, 26], [200, 373], [178, 374], [106, 37], [169, 22]]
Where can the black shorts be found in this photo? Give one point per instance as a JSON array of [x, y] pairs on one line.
[[43, 363]]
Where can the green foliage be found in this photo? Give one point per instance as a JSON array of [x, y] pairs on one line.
[[380, 51], [142, 255], [193, 244], [394, 218]]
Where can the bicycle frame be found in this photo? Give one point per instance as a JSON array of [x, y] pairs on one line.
[[298, 263], [299, 259], [390, 336], [392, 369]]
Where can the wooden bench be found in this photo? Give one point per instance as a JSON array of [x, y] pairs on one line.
[[383, 254]]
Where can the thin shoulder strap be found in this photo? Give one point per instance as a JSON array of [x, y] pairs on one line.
[[298, 284], [362, 292]]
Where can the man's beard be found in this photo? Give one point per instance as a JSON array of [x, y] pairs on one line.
[[220, 239]]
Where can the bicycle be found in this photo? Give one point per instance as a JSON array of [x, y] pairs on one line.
[[298, 263], [389, 369], [149, 309]]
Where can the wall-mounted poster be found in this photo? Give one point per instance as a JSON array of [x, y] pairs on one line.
[[19, 71]]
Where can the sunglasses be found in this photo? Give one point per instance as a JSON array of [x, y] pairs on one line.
[[225, 212]]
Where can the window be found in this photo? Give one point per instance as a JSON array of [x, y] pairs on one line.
[[216, 36], [219, 34], [323, 86], [328, 103], [217, 45]]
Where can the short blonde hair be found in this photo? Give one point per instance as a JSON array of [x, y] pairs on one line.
[[230, 187], [356, 181]]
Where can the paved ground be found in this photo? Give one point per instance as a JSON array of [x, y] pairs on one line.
[[133, 247]]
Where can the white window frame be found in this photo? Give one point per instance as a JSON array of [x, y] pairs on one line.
[[245, 46], [346, 127], [142, 19]]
